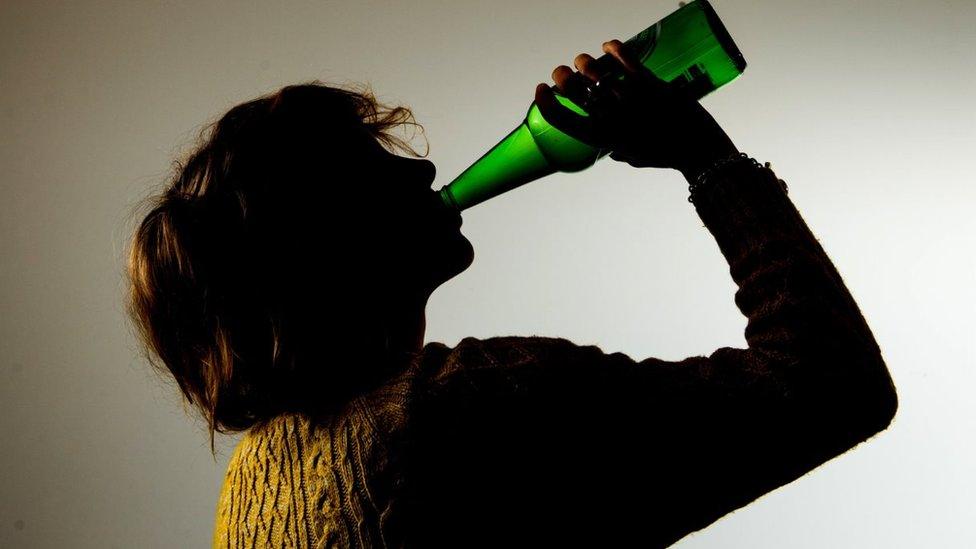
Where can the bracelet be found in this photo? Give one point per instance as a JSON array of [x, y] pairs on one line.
[[695, 187]]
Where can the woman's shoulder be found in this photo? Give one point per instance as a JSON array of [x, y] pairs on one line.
[[496, 352], [502, 356]]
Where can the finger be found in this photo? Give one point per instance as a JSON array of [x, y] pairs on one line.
[[588, 67], [633, 161], [622, 54], [605, 71], [617, 49], [571, 84], [559, 116]]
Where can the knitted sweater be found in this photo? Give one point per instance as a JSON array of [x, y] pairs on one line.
[[538, 442]]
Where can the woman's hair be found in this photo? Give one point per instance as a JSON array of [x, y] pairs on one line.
[[253, 278]]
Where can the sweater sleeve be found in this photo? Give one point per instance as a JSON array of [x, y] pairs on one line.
[[685, 442]]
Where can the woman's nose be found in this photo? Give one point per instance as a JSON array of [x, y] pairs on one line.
[[413, 176]]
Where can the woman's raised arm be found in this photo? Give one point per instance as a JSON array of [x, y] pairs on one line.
[[657, 448], [538, 436]]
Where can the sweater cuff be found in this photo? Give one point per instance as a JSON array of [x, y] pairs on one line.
[[744, 206]]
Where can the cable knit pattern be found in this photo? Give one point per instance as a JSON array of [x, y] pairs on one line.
[[538, 442], [297, 481]]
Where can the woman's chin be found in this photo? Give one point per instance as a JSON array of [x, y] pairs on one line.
[[461, 252], [455, 256], [468, 252]]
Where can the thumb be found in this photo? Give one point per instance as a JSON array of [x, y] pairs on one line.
[[559, 116], [633, 161], [544, 98]]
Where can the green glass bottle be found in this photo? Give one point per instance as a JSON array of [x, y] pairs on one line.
[[690, 49]]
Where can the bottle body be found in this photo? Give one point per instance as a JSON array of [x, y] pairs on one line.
[[690, 49]]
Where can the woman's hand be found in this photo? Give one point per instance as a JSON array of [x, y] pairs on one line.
[[644, 121]]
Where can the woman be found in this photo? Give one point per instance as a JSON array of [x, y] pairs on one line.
[[282, 277]]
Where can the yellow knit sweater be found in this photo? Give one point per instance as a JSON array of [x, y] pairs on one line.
[[538, 442]]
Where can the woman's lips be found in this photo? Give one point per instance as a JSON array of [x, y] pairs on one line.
[[450, 215]]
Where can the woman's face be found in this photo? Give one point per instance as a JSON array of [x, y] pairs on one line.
[[424, 234]]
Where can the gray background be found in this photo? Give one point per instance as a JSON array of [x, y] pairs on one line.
[[864, 108]]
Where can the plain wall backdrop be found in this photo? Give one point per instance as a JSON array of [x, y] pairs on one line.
[[864, 108]]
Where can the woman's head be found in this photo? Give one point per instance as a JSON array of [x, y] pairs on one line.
[[265, 275]]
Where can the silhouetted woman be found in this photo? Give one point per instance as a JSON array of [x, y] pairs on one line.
[[281, 278]]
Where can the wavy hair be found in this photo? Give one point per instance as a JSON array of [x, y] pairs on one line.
[[226, 271]]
